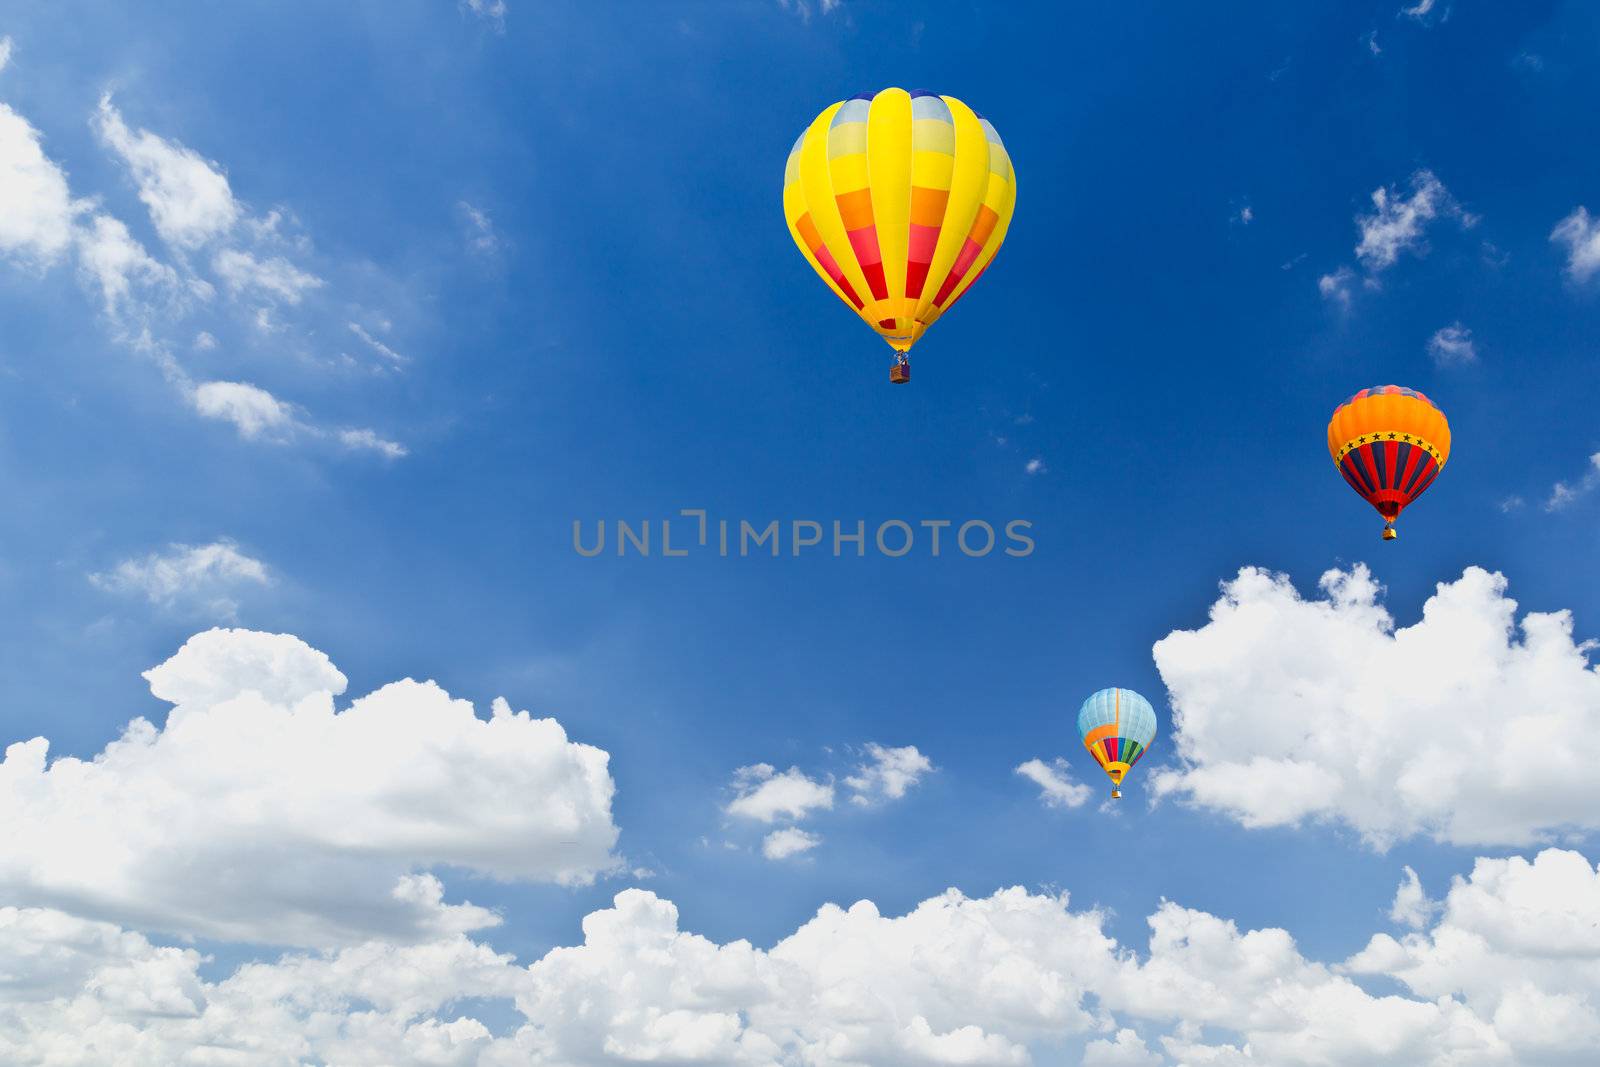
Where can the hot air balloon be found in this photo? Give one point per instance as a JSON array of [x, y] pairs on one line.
[[899, 202], [1117, 726], [1389, 442]]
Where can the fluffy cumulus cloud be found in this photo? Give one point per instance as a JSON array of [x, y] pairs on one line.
[[763, 794], [207, 577], [790, 841], [1057, 788], [1507, 974], [887, 774], [262, 812], [1580, 234], [1519, 941], [1441, 728], [189, 199]]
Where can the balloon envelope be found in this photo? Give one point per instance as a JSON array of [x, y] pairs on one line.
[[1389, 443], [1117, 726], [899, 202]]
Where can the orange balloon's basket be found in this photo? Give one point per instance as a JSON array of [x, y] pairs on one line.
[[900, 373], [1116, 794]]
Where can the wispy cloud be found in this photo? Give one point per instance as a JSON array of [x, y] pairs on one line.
[[1424, 11], [189, 198], [36, 226], [203, 577], [375, 344], [1564, 494], [481, 236], [1399, 222], [148, 303], [1581, 235], [1452, 346], [492, 11], [1336, 286]]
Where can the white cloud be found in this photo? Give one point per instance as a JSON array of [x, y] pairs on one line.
[[5, 52], [1336, 286], [1452, 345], [481, 236], [260, 813], [189, 199], [36, 225], [1439, 728], [1399, 222], [376, 345], [1508, 974], [1370, 39], [1036, 466], [254, 412], [275, 276], [1420, 10], [1519, 941], [1564, 494], [362, 440], [765, 796], [200, 576], [790, 841], [112, 259], [204, 341], [1581, 235], [803, 7], [87, 993], [1125, 1049], [1056, 786], [492, 10], [888, 774], [1411, 905]]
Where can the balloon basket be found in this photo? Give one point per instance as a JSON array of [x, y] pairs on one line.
[[1116, 794], [1389, 533], [900, 373]]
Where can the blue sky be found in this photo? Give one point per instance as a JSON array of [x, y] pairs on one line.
[[537, 272]]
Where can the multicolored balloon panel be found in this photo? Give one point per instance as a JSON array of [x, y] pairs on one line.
[[1117, 727], [899, 201], [1389, 443]]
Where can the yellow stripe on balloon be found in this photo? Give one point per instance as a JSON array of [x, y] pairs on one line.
[[1002, 200], [816, 184], [889, 178], [969, 181]]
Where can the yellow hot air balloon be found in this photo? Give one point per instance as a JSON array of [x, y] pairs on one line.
[[899, 201], [1390, 443]]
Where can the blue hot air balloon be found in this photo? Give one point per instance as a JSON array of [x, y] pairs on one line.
[[1117, 726]]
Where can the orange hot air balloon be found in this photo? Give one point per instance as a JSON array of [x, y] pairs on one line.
[[899, 201], [1390, 443]]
